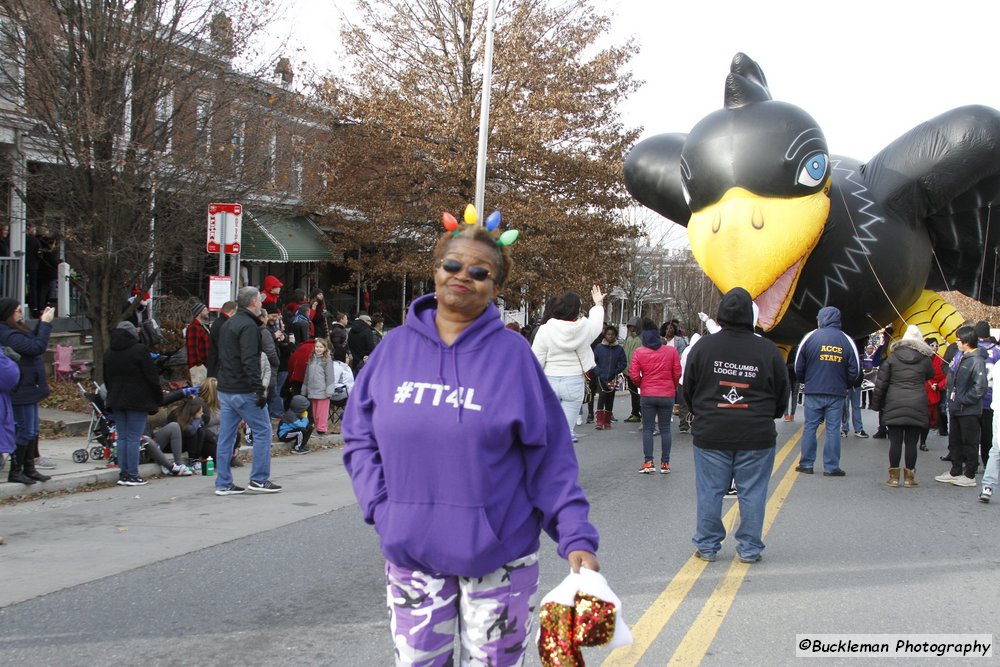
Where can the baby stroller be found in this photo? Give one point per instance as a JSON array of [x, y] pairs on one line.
[[101, 429]]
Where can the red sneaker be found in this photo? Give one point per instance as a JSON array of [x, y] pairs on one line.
[[664, 468], [647, 467]]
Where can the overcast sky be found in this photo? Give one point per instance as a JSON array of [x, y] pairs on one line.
[[867, 71]]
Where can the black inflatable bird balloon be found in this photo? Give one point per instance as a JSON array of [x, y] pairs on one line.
[[768, 208]]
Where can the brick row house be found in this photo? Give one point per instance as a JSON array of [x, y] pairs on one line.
[[115, 155]]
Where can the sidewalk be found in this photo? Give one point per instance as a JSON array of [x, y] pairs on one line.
[[71, 476]]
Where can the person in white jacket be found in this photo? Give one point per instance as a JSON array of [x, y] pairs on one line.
[[562, 346]]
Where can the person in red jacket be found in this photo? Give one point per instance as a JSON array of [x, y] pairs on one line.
[[656, 371], [272, 288], [935, 389], [297, 363]]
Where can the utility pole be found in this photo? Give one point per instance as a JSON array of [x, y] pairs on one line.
[[484, 112]]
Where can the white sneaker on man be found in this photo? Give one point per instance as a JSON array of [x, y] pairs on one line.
[[947, 478], [962, 480]]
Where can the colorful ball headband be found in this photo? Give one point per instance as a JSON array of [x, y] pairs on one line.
[[471, 217]]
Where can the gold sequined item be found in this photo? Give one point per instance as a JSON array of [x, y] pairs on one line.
[[589, 622], [593, 620]]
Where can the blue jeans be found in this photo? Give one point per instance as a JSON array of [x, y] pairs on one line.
[[852, 404], [275, 404], [233, 408], [822, 408], [653, 409], [714, 471], [130, 424], [25, 422], [992, 468], [569, 391]]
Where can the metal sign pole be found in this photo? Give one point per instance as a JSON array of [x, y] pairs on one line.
[[484, 111], [222, 217]]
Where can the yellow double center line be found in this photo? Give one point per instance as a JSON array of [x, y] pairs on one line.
[[699, 637]]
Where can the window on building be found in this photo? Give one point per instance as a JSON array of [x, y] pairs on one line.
[[204, 127], [238, 144], [125, 100], [272, 156], [11, 70], [298, 170], [163, 121]]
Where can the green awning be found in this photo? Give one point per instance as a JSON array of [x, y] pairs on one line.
[[269, 238]]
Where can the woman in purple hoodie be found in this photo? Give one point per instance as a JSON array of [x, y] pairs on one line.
[[458, 474]]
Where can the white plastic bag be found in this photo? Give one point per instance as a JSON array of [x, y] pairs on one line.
[[568, 609]]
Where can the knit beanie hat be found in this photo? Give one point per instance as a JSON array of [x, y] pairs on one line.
[[196, 309], [298, 403], [7, 308], [913, 333], [129, 327]]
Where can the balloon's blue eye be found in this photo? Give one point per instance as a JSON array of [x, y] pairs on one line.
[[813, 170]]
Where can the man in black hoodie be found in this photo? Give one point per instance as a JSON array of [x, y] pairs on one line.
[[736, 385]]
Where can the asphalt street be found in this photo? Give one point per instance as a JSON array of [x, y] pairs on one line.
[[170, 574]]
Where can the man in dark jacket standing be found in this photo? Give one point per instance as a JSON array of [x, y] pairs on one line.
[[361, 340], [966, 387], [242, 395], [827, 364], [736, 385], [990, 352], [212, 363]]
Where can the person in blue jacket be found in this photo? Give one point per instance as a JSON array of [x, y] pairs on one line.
[[458, 474], [827, 364], [611, 360], [295, 426], [28, 347]]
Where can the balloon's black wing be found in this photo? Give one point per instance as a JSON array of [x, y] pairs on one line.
[[945, 174]]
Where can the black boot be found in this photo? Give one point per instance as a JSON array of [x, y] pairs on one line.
[[28, 467], [16, 474]]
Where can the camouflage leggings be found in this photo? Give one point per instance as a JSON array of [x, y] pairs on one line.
[[493, 615]]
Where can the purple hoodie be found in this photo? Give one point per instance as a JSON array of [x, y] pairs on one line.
[[461, 481]]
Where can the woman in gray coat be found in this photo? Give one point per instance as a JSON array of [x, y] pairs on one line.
[[901, 397]]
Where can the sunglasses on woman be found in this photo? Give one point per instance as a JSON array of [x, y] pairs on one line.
[[477, 273]]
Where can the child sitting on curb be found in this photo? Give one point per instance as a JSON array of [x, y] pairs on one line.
[[295, 426]]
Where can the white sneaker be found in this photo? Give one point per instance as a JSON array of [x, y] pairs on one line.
[[180, 470], [987, 493], [947, 478], [962, 480]]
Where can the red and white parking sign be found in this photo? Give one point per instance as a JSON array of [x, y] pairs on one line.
[[228, 217]]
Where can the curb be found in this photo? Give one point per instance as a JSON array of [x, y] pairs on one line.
[[71, 482], [80, 480]]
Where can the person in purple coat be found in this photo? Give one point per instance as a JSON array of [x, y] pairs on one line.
[[458, 474], [10, 374]]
